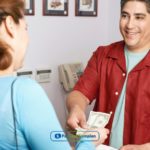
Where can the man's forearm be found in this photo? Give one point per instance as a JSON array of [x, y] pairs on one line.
[[77, 99]]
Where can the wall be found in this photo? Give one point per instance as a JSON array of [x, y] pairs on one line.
[[57, 40]]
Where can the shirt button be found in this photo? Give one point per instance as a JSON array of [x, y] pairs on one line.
[[116, 93], [123, 74]]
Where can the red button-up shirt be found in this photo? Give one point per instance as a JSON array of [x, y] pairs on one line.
[[103, 80]]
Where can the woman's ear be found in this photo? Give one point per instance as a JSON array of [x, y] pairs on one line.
[[10, 26]]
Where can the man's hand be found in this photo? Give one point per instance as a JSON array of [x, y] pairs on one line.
[[77, 118], [136, 147]]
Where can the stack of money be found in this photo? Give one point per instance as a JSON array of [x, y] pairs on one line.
[[95, 120]]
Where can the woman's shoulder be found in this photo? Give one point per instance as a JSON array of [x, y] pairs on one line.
[[28, 91], [26, 84], [25, 81]]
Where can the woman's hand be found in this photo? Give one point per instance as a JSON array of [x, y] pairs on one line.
[[99, 135]]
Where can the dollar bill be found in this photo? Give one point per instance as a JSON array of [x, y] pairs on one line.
[[98, 119], [80, 131], [95, 120]]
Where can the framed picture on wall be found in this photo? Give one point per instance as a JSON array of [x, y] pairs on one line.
[[29, 7], [86, 7], [55, 7]]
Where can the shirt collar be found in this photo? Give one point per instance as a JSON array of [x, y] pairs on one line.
[[117, 52]]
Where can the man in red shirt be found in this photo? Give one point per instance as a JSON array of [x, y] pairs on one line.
[[118, 77]]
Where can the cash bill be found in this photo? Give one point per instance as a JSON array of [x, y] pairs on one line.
[[95, 120], [80, 131], [98, 119]]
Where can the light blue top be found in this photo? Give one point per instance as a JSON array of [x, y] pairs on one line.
[[36, 118], [116, 137]]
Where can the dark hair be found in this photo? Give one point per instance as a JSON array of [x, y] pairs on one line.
[[14, 8], [147, 3]]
